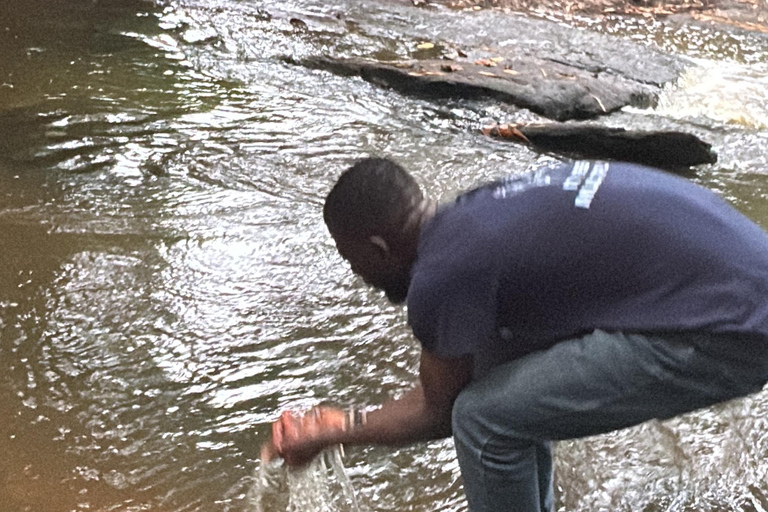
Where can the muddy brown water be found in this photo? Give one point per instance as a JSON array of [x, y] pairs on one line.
[[167, 284]]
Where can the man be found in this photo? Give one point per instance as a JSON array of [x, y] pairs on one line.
[[573, 301]]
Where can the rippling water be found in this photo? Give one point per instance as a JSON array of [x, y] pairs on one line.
[[167, 284]]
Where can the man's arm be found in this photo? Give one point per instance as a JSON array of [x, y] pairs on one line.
[[421, 414]]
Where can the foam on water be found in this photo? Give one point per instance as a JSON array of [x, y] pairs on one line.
[[727, 92]]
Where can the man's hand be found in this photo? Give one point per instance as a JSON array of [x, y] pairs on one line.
[[422, 414], [299, 438]]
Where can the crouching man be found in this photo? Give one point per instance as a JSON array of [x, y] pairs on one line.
[[573, 301]]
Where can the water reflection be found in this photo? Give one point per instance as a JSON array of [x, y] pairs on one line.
[[727, 93], [167, 285]]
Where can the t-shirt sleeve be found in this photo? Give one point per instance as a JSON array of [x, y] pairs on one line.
[[453, 313]]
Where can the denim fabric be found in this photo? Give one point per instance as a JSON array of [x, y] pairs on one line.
[[502, 423]]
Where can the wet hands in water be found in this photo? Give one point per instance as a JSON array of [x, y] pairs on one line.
[[297, 438]]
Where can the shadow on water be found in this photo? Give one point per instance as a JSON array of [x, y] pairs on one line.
[[167, 285]]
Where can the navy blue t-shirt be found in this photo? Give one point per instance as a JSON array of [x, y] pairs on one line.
[[520, 264]]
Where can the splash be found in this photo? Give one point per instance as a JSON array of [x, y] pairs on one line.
[[321, 486]]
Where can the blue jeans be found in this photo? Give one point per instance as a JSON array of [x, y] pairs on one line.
[[503, 422]]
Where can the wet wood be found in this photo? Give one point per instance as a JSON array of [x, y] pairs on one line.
[[551, 89], [663, 149]]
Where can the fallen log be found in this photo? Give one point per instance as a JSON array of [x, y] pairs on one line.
[[663, 149]]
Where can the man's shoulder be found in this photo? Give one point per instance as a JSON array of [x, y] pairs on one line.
[[514, 184]]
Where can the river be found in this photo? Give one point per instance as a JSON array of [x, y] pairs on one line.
[[167, 283]]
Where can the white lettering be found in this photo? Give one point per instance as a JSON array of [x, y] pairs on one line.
[[588, 190], [573, 181], [514, 185]]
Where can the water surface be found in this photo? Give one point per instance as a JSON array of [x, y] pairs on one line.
[[167, 284]]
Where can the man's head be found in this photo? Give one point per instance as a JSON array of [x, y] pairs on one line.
[[374, 213]]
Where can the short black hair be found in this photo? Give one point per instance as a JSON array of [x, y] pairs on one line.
[[373, 197]]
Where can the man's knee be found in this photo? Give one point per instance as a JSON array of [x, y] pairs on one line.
[[474, 416]]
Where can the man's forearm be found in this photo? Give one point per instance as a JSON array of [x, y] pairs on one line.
[[406, 420], [422, 414]]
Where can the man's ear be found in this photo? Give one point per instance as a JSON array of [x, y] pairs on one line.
[[381, 245]]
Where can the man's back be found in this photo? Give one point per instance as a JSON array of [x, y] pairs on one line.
[[520, 264]]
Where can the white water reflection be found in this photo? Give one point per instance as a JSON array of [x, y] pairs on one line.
[[711, 460], [727, 93]]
